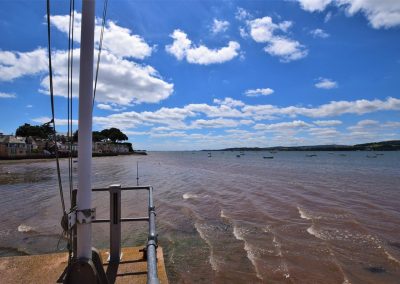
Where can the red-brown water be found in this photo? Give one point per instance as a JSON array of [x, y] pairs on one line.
[[293, 219]]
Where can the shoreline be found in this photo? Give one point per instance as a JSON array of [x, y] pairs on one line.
[[48, 158]]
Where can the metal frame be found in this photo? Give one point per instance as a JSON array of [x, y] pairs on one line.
[[115, 227]]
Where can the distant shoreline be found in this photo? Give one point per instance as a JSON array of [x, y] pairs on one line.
[[393, 145]]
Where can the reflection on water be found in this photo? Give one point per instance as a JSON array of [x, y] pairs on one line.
[[329, 218]]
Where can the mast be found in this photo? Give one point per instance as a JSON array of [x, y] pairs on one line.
[[84, 195]]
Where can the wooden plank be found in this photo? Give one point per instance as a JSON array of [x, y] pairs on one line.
[[47, 268]]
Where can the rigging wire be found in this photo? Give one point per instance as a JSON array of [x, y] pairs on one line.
[[52, 109], [100, 48], [69, 233]]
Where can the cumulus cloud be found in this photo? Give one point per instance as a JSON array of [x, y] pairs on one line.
[[7, 96], [121, 81], [182, 48], [14, 64], [324, 83], [314, 5], [380, 14], [259, 92], [116, 39], [219, 26], [319, 33], [264, 30]]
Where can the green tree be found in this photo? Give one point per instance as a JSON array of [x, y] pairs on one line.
[[114, 134], [97, 136], [42, 131]]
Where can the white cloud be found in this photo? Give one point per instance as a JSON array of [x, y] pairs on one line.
[[104, 106], [319, 33], [264, 30], [182, 47], [15, 64], [380, 13], [325, 123], [258, 92], [296, 124], [121, 81], [219, 26], [324, 83], [314, 5], [7, 96], [29, 106], [334, 108], [242, 14], [287, 49], [59, 122], [116, 39]]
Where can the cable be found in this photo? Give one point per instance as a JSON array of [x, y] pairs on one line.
[[100, 48], [52, 109]]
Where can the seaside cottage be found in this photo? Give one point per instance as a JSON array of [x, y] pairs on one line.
[[11, 146]]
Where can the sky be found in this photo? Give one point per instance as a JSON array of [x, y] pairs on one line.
[[190, 75]]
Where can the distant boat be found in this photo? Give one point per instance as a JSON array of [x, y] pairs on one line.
[[238, 156], [209, 155], [311, 155], [343, 155], [268, 157], [273, 152], [372, 156]]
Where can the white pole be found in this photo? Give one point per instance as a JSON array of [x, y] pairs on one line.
[[84, 197]]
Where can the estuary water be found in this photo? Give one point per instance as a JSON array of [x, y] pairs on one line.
[[329, 218]]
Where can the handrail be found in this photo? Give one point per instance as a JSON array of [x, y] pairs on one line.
[[152, 241]]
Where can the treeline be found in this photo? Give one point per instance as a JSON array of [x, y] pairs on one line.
[[45, 131], [393, 145]]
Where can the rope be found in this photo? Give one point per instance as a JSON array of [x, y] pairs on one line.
[[100, 48], [52, 109]]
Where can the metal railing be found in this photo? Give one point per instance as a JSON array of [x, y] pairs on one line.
[[115, 227]]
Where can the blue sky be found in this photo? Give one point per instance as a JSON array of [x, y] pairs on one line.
[[183, 75]]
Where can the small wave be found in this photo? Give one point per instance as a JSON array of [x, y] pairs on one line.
[[314, 232], [391, 257], [24, 228], [239, 235], [303, 214], [222, 215], [189, 196], [212, 260]]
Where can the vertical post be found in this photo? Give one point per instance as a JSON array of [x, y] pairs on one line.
[[137, 173], [84, 235], [115, 223]]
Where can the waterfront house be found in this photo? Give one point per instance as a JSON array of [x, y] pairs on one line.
[[12, 146]]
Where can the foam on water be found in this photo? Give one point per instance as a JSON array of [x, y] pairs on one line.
[[202, 234], [303, 214], [24, 228], [314, 232], [239, 235], [189, 195]]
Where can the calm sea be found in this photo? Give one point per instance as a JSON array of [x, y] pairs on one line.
[[331, 218]]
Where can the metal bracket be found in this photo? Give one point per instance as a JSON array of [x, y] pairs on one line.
[[71, 219], [85, 216]]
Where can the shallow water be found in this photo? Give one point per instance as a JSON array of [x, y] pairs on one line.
[[293, 219]]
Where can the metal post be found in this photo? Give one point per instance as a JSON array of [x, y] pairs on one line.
[[152, 243], [115, 223], [84, 236]]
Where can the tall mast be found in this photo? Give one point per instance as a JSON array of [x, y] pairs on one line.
[[84, 195]]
